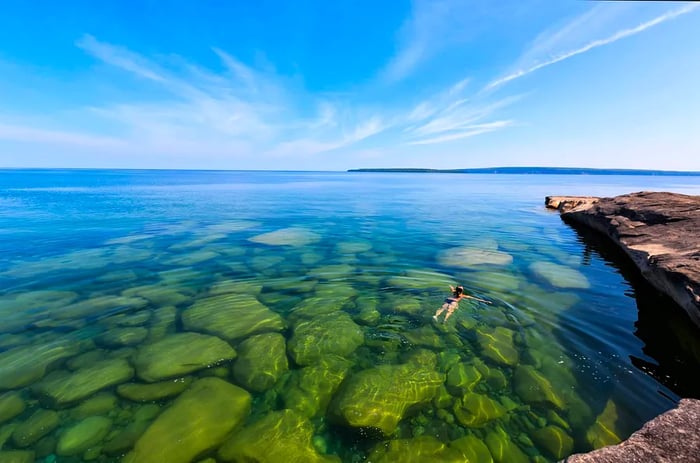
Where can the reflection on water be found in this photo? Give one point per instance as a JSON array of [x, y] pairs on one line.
[[226, 316]]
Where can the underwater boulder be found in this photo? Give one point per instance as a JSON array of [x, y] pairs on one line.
[[83, 435], [415, 450], [312, 339], [475, 410], [122, 337], [503, 449], [280, 436], [559, 276], [179, 354], [379, 397], [473, 449], [11, 405], [468, 257], [63, 387], [534, 388], [309, 389], [292, 236], [38, 425], [24, 365], [262, 359], [198, 420], [498, 345], [554, 440], [231, 316], [139, 392]]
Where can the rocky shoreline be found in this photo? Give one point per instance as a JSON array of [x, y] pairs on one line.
[[659, 232]]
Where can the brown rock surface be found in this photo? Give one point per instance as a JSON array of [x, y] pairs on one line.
[[671, 437], [659, 231]]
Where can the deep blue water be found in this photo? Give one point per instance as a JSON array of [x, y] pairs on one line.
[[380, 247]]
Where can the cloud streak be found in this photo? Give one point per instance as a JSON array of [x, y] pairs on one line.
[[592, 44]]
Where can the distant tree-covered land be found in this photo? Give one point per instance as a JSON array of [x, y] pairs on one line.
[[535, 170]]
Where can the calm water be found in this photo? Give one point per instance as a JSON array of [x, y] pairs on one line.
[[178, 316]]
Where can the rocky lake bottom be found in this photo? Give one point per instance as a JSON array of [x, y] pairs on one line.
[[288, 317]]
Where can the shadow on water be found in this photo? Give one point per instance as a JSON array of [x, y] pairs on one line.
[[671, 340]]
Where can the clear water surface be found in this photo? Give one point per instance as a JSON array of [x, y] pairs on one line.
[[186, 315]]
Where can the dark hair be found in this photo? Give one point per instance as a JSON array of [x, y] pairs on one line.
[[458, 290]]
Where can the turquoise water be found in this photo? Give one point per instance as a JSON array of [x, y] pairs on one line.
[[179, 316]]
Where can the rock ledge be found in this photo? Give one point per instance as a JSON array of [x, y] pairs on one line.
[[657, 230]]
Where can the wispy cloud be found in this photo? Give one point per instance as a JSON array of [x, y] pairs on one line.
[[433, 25], [577, 23], [48, 136]]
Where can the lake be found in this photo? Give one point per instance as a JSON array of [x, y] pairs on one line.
[[184, 315]]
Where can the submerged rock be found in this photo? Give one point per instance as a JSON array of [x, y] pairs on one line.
[[139, 392], [99, 306], [39, 424], [554, 440], [24, 365], [231, 316], [672, 436], [281, 436], [99, 404], [198, 420], [179, 354], [503, 449], [312, 339], [17, 456], [418, 449], [293, 236], [498, 345], [603, 432], [473, 449], [534, 388], [476, 410], [560, 276], [262, 359], [467, 257], [379, 397], [64, 387], [11, 405], [122, 337], [83, 435], [310, 389]]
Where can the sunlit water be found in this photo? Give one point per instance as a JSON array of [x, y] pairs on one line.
[[173, 316]]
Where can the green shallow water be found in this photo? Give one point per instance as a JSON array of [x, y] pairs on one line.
[[240, 316]]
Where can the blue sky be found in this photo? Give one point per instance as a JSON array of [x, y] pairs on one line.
[[336, 85]]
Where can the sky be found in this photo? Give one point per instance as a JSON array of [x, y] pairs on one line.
[[336, 85]]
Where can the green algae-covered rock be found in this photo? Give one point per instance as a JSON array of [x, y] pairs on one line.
[[352, 247], [603, 431], [473, 449], [39, 424], [498, 345], [139, 392], [463, 377], [314, 306], [534, 388], [292, 236], [403, 305], [416, 450], [197, 421], [11, 405], [554, 440], [315, 338], [559, 276], [99, 404], [122, 337], [83, 435], [17, 456], [503, 449], [309, 389], [251, 287], [162, 323], [262, 359], [231, 316], [24, 365], [179, 354], [379, 397], [65, 387], [98, 306], [157, 294], [281, 436], [476, 410], [424, 336]]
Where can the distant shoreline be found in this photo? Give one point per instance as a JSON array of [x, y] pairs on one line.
[[536, 171]]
